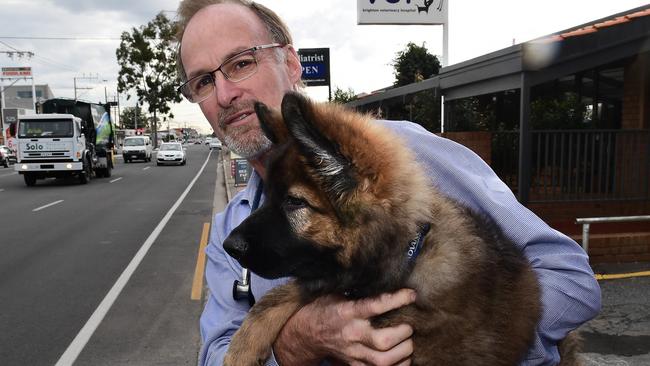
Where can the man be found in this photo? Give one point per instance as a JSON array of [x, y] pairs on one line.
[[235, 52]]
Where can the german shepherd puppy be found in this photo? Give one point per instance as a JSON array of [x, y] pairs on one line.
[[349, 211]]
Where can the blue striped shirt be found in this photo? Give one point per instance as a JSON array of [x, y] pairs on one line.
[[570, 293]]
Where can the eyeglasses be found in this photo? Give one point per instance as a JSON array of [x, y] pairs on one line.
[[239, 67]]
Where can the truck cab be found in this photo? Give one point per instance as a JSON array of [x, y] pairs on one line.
[[51, 145]]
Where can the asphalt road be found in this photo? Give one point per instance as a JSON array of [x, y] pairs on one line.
[[63, 246]]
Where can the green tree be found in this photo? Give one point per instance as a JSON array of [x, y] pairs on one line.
[[342, 96], [148, 66], [128, 118], [414, 64]]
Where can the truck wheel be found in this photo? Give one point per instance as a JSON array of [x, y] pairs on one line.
[[84, 177], [30, 180]]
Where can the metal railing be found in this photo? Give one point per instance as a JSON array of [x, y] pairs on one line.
[[578, 165], [587, 221]]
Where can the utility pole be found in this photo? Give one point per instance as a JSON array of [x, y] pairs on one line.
[[84, 77]]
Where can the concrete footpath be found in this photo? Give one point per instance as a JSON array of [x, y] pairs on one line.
[[620, 334]]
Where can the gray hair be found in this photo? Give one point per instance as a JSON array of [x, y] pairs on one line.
[[277, 29]]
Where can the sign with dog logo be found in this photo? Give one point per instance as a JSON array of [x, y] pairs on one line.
[[315, 64], [402, 11]]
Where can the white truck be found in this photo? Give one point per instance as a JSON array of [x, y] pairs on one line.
[[69, 139]]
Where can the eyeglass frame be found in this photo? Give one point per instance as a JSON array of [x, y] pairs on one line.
[[213, 72]]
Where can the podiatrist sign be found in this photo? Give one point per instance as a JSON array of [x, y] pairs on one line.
[[315, 64], [402, 11]]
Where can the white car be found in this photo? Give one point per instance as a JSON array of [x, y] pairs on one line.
[[215, 144], [171, 153]]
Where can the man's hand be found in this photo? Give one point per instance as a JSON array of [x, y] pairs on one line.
[[336, 328]]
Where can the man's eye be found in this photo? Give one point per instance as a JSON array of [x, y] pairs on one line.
[[203, 81], [242, 64]]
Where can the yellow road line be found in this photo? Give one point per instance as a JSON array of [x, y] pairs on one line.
[[621, 275], [197, 283]]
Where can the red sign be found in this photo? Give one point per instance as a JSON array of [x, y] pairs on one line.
[[16, 71]]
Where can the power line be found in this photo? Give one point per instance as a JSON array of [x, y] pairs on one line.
[[45, 60], [63, 38]]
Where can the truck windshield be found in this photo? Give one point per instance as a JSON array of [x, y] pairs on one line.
[[133, 142], [45, 128]]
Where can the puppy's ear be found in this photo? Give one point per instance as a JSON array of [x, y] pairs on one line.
[[323, 155], [271, 123]]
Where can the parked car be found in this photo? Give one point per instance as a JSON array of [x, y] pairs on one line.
[[7, 156], [215, 144], [171, 153]]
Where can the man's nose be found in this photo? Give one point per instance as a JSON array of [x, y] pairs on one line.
[[227, 91]]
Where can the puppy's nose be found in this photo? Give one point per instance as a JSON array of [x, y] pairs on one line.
[[236, 246]]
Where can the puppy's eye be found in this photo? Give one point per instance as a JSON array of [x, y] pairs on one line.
[[294, 203]]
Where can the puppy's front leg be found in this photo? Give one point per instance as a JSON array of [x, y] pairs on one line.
[[251, 344]]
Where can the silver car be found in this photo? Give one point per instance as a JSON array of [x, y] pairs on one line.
[[171, 153]]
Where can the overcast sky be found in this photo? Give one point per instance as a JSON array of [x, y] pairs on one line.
[[360, 54]]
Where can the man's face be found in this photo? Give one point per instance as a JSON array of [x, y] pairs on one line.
[[213, 35]]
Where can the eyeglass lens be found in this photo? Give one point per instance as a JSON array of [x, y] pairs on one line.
[[235, 69]]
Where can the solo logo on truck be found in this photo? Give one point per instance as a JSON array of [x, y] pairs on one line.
[[34, 146]]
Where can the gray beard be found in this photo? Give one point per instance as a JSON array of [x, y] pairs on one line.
[[249, 148]]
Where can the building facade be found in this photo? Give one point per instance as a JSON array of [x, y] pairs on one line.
[[564, 120]]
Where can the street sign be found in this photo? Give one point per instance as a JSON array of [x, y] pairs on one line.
[[315, 64], [16, 72]]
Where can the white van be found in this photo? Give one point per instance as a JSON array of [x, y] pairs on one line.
[[136, 147]]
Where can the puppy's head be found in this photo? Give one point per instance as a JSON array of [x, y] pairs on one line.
[[334, 200]]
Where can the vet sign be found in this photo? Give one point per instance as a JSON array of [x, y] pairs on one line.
[[315, 64], [402, 11]]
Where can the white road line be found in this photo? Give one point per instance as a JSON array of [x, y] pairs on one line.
[[48, 205], [146, 168], [2, 189], [115, 180], [80, 341]]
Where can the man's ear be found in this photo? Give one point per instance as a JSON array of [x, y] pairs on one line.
[[271, 122], [293, 65]]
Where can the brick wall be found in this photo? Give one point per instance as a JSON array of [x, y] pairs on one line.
[[618, 248], [478, 141], [636, 93]]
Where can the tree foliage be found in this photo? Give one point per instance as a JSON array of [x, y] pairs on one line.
[[128, 120], [147, 62], [414, 64], [342, 96]]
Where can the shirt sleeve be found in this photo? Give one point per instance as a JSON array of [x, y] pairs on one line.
[[570, 294]]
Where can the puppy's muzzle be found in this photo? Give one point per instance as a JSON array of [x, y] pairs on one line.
[[235, 246]]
